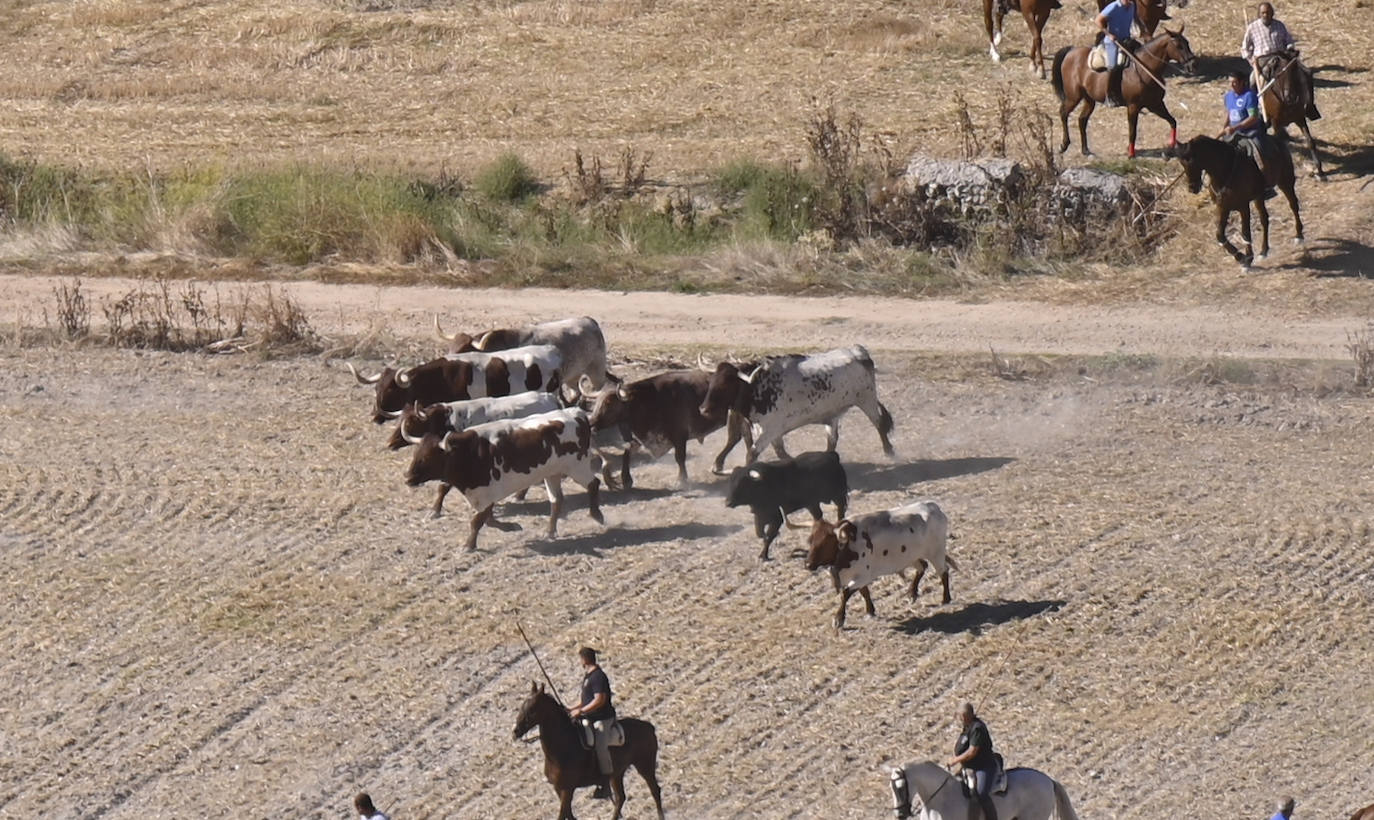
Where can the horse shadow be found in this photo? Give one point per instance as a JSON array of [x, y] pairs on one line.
[[1344, 157], [619, 537], [1325, 82], [976, 617], [1332, 258], [874, 477], [1210, 69]]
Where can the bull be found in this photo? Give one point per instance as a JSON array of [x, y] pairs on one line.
[[579, 340], [773, 489], [459, 376]]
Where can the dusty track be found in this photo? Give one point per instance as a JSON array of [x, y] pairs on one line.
[[223, 602]]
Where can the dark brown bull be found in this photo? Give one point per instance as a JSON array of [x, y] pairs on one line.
[[453, 378], [664, 411]]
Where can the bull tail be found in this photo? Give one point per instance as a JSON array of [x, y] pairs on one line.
[[949, 560], [884, 420], [1057, 73]]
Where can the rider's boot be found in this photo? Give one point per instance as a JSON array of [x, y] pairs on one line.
[[603, 789], [1113, 99]]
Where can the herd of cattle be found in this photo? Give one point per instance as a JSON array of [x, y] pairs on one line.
[[513, 407]]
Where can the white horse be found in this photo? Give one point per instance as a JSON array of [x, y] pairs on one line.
[[928, 792]]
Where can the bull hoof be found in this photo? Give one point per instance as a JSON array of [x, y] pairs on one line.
[[436, 514], [1299, 241], [598, 517]]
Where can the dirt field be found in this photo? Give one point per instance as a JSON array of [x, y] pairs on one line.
[[224, 602]]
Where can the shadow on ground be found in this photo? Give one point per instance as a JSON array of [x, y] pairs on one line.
[[873, 477], [618, 537], [975, 618]]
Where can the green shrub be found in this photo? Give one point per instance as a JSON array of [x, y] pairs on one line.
[[506, 179]]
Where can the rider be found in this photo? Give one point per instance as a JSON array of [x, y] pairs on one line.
[[1265, 45], [973, 751], [595, 708], [366, 811], [1285, 811], [1115, 21], [1243, 126]]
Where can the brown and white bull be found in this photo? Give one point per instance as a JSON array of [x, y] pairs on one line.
[[788, 392], [492, 461], [458, 376], [865, 547], [448, 417], [579, 340], [660, 413]]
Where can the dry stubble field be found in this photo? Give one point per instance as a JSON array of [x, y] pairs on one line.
[[223, 601]]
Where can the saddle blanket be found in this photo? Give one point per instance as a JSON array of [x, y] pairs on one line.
[[1097, 57], [615, 734]]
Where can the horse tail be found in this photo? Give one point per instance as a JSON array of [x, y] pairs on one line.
[[1063, 809], [1057, 73]]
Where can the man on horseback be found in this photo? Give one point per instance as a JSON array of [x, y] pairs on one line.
[[973, 751], [596, 711], [1115, 21], [1267, 46], [1243, 127], [1285, 811]]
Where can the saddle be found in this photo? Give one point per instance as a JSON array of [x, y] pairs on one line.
[[615, 733], [999, 779], [1097, 57]]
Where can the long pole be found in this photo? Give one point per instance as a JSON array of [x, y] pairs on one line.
[[552, 688], [1135, 61]]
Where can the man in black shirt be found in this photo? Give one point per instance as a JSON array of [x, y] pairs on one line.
[[974, 752], [595, 708]]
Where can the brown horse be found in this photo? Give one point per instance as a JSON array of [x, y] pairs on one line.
[[1286, 101], [1075, 82], [568, 766], [1366, 813], [1148, 14], [1235, 182], [1036, 12]]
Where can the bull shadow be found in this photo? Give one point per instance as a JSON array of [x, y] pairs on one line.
[[537, 503], [620, 537], [976, 617], [874, 477]]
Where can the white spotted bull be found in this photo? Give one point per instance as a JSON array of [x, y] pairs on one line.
[[861, 549], [788, 392], [453, 416], [492, 461], [579, 340]]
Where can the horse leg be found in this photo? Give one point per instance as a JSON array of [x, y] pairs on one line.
[[1065, 108], [1037, 26], [1249, 255], [993, 38], [617, 793], [1159, 110], [944, 581], [646, 771], [1312, 147], [1088, 105], [1292, 196], [1224, 216], [1264, 227], [1132, 120], [565, 797]]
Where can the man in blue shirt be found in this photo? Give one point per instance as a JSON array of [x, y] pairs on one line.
[[1243, 126], [1115, 21], [1285, 810], [595, 708]]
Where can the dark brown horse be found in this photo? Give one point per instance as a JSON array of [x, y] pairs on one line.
[[1075, 82], [1148, 14], [1036, 12], [1236, 182], [1286, 101], [568, 766]]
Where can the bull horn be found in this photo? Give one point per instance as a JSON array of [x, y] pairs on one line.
[[752, 374], [403, 378], [438, 331], [391, 414], [361, 378], [443, 443], [792, 526], [703, 364], [408, 437], [420, 411], [584, 386]]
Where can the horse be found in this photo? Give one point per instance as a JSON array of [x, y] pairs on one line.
[[929, 792], [1036, 12], [1148, 14], [1366, 813], [568, 766], [1286, 100], [1075, 82], [1235, 182]]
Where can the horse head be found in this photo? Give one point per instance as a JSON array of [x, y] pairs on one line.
[[534, 711], [1180, 51], [1186, 157]]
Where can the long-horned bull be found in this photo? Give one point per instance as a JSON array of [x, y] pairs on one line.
[[660, 413], [489, 462], [458, 376], [788, 392], [867, 547], [579, 340]]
